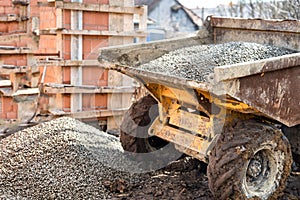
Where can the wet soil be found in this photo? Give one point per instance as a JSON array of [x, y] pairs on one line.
[[186, 179]]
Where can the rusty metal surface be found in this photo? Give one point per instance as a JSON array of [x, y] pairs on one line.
[[190, 121], [256, 67], [198, 146], [284, 33], [291, 40], [137, 54], [146, 77], [256, 24], [276, 94]]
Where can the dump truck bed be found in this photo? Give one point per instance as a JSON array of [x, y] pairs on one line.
[[270, 86]]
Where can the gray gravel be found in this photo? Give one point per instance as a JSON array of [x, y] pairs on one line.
[[197, 62], [62, 159]]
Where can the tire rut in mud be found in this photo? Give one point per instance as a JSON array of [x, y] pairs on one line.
[[186, 179]]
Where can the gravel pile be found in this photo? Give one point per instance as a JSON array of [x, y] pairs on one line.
[[62, 159], [66, 159], [197, 62]]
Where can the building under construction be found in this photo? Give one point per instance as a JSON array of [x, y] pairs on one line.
[[48, 59]]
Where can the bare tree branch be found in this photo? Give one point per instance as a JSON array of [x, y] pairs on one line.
[[285, 9]]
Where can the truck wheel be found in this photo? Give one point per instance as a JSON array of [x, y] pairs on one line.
[[252, 160], [134, 128]]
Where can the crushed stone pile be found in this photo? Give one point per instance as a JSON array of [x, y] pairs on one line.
[[60, 159], [196, 62]]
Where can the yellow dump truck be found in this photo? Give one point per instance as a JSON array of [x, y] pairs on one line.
[[242, 118]]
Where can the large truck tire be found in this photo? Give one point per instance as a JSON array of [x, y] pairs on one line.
[[134, 128], [251, 160]]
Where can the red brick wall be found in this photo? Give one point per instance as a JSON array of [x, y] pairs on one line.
[[17, 60], [94, 101], [34, 8], [96, 1], [47, 17], [91, 44], [95, 21], [66, 75], [94, 76], [53, 74], [67, 19], [66, 102], [9, 108], [66, 54], [47, 44]]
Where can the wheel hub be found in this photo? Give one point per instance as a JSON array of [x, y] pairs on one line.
[[255, 168], [260, 177], [258, 169]]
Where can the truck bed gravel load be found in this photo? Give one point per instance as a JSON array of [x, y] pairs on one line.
[[196, 62]]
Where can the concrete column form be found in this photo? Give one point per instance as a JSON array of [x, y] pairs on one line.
[[76, 54]]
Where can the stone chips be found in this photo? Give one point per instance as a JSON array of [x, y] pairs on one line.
[[196, 62], [61, 159]]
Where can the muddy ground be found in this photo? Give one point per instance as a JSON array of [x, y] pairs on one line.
[[185, 179]]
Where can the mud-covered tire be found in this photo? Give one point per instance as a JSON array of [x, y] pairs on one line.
[[134, 128], [250, 160]]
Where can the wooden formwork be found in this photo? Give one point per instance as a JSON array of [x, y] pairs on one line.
[[48, 62]]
